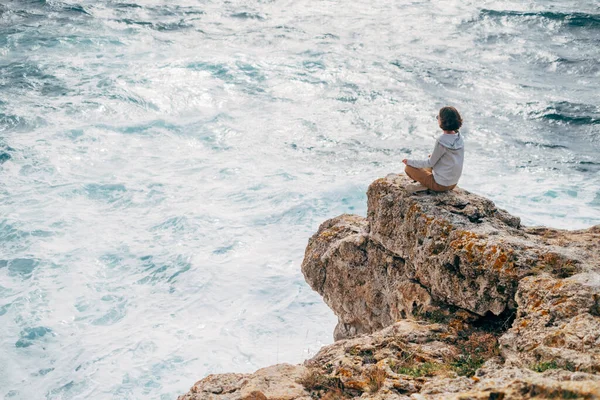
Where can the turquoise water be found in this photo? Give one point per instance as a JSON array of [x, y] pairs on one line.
[[164, 164]]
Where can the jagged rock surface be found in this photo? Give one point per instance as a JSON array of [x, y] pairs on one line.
[[275, 382], [417, 252], [408, 360], [558, 322], [417, 360], [500, 302]]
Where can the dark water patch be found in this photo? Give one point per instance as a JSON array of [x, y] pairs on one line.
[[4, 157], [586, 166], [9, 233], [570, 113], [306, 78], [75, 9], [542, 145], [328, 36], [125, 5], [530, 165], [577, 67], [172, 26], [347, 99], [219, 71], [158, 26], [40, 233], [239, 73], [5, 151], [29, 335], [181, 268], [575, 20], [161, 11], [62, 391], [583, 120], [43, 371], [105, 192], [287, 28], [175, 10], [127, 98], [111, 260], [20, 266], [163, 272], [174, 224], [224, 249], [403, 66], [48, 10], [313, 66], [251, 71], [8, 31], [65, 8], [30, 77], [151, 126], [248, 15], [5, 307]]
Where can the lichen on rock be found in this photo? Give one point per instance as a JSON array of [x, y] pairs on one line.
[[421, 252], [558, 322]]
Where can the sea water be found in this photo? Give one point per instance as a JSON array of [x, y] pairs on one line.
[[163, 164]]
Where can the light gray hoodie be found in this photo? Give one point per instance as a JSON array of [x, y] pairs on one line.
[[446, 161]]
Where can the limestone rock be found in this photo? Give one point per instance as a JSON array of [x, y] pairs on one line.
[[419, 253], [532, 387], [276, 382], [364, 284], [391, 363], [558, 322], [418, 360]]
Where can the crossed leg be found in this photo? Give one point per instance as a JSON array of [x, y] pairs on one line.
[[425, 177]]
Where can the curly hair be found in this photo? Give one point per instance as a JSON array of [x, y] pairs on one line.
[[450, 119]]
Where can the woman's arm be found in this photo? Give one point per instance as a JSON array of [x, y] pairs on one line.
[[438, 151]]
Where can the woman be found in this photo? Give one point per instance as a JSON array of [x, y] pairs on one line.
[[443, 168]]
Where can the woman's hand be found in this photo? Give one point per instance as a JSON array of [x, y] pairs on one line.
[[405, 161]]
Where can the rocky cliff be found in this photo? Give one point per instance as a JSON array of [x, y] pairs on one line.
[[442, 295]]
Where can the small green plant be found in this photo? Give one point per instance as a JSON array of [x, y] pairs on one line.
[[418, 370], [569, 366], [435, 316], [328, 368], [474, 352], [353, 351], [544, 366], [376, 379], [467, 365], [314, 381]]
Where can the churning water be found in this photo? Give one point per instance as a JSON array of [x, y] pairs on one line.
[[163, 164]]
